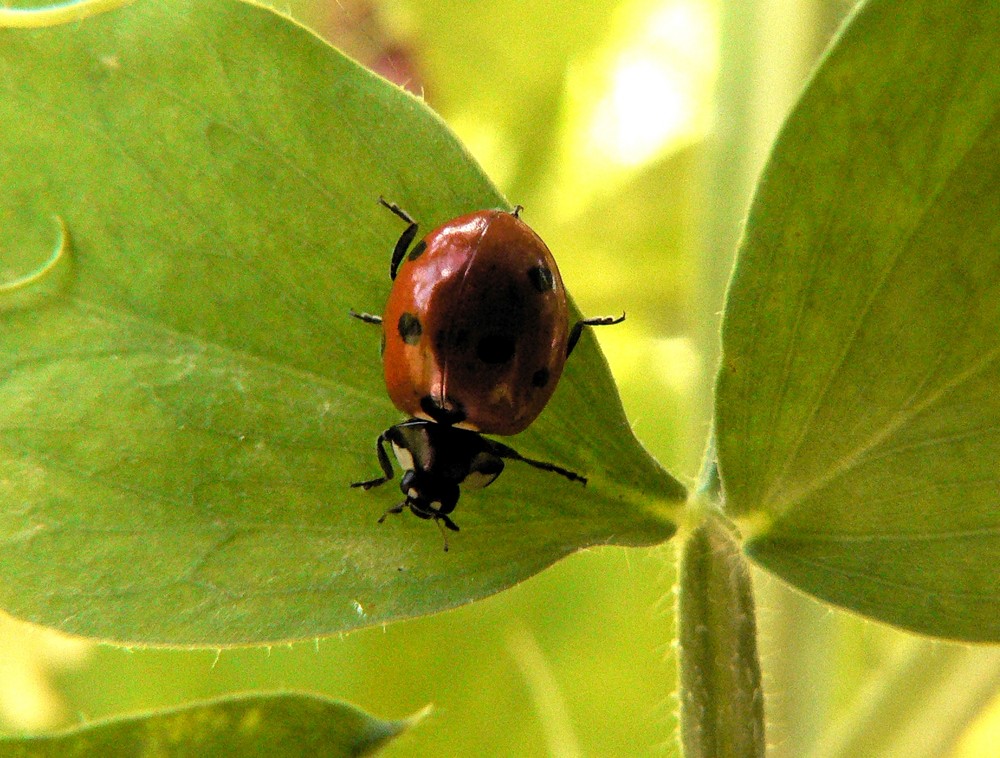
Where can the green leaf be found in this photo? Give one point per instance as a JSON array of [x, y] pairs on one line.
[[858, 417], [286, 724], [183, 407]]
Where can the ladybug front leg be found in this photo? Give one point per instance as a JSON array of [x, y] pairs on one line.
[[397, 508], [383, 461], [405, 239], [577, 330], [503, 451]]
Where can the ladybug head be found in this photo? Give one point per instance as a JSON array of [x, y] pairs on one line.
[[428, 496], [437, 461]]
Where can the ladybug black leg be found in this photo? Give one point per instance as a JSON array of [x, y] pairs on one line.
[[368, 318], [405, 239], [383, 461], [577, 330], [503, 451], [398, 508]]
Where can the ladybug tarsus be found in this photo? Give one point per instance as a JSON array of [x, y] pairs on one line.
[[396, 210], [397, 508], [577, 330], [405, 239], [368, 318], [367, 485]]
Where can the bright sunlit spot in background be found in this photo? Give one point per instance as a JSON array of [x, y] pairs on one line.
[[644, 94], [489, 144], [30, 660], [653, 89], [629, 126], [673, 361]]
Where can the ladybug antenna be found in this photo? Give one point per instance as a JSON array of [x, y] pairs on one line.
[[443, 521], [444, 534], [516, 213]]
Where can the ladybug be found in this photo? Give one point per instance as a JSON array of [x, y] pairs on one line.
[[475, 336]]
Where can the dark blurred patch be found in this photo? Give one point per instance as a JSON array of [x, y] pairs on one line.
[[360, 29]]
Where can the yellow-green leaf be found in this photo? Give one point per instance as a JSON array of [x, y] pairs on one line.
[[285, 724], [183, 396], [858, 412]]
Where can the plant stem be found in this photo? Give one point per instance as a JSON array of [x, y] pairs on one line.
[[721, 699]]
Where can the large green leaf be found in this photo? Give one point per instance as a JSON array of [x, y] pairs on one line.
[[184, 399], [285, 724], [858, 412]]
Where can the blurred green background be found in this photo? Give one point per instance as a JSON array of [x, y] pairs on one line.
[[632, 132]]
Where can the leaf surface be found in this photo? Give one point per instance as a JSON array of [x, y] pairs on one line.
[[858, 417], [183, 397]]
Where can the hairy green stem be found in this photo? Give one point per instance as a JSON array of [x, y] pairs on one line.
[[721, 699]]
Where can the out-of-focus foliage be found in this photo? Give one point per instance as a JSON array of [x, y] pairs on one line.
[[286, 724], [29, 698]]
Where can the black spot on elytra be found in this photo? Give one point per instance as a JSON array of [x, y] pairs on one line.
[[541, 279], [540, 378], [447, 413], [417, 250], [495, 348], [409, 328]]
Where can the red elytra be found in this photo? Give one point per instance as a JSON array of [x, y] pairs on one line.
[[476, 326]]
